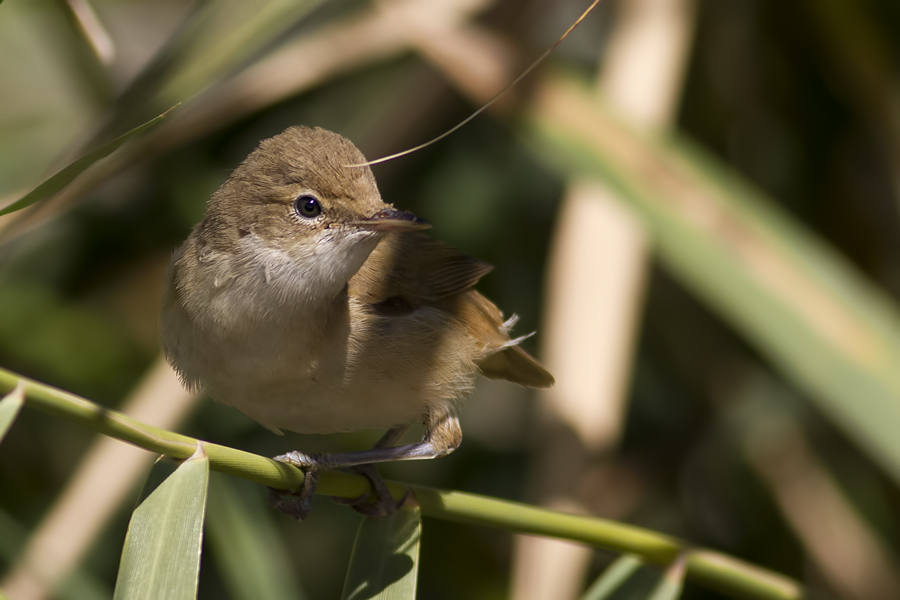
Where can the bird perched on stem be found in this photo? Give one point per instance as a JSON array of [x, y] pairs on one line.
[[311, 305]]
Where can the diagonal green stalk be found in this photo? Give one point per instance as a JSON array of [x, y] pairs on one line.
[[814, 316], [726, 574], [63, 404]]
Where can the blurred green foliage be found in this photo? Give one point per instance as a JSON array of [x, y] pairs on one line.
[[771, 90]]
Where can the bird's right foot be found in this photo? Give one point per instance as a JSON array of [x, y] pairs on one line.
[[297, 503]]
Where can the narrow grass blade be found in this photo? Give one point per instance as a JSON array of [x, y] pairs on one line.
[[246, 546], [672, 582], [216, 39], [10, 407], [66, 176], [613, 577], [161, 558], [385, 560]]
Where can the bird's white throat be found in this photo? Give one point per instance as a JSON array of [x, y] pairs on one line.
[[303, 274]]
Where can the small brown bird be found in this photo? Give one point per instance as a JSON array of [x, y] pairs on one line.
[[311, 305]]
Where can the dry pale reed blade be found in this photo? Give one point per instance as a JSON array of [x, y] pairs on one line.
[[595, 290]]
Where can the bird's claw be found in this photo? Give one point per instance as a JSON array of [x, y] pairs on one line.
[[376, 503], [296, 503]]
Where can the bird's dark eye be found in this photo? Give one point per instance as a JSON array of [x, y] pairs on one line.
[[308, 206]]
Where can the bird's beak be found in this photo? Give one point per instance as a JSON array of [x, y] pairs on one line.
[[391, 219]]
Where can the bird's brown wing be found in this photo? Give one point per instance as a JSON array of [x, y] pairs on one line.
[[417, 268], [409, 270]]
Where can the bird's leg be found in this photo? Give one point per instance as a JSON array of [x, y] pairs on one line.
[[442, 436], [383, 503]]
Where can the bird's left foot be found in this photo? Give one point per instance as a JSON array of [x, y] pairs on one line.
[[375, 503]]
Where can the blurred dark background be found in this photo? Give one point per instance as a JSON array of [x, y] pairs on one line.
[[800, 98]]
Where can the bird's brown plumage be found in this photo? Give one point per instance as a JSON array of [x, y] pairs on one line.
[[344, 320], [310, 304], [409, 270]]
